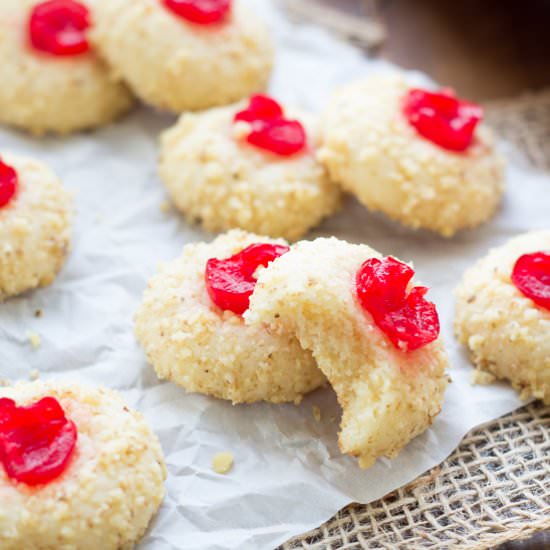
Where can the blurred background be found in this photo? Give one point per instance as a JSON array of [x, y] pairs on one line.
[[485, 49]]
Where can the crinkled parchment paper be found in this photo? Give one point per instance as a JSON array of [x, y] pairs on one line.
[[289, 475]]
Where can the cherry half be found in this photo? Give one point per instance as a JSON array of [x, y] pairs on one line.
[[442, 118], [200, 12], [404, 315], [531, 276], [58, 27], [36, 442], [230, 282], [8, 183], [270, 130]]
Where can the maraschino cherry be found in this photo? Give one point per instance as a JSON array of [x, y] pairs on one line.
[[531, 275], [58, 27], [269, 129], [36, 441], [442, 118], [402, 313], [230, 282], [200, 12], [8, 183]]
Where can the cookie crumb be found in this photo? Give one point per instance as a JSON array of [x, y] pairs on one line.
[[34, 375], [222, 463], [316, 413], [482, 378], [39, 313], [34, 339]]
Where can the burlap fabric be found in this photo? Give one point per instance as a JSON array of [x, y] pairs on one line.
[[495, 487]]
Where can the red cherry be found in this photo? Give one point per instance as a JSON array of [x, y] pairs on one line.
[[531, 276], [36, 442], [442, 118], [405, 316], [260, 107], [201, 12], [58, 27], [282, 137], [230, 282], [269, 129], [8, 183]]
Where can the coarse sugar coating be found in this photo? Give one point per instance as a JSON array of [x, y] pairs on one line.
[[193, 343], [177, 65], [215, 177], [35, 228], [369, 147], [112, 487], [506, 333], [46, 93], [387, 396]]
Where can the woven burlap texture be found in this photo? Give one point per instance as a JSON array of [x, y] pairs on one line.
[[495, 487]]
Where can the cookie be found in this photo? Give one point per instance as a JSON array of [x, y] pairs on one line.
[[503, 313], [191, 326], [78, 469], [420, 157], [222, 170], [35, 225], [52, 80], [188, 57], [373, 335]]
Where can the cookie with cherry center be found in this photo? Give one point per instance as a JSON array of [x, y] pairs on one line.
[[250, 166], [503, 314], [422, 157], [182, 55], [35, 225], [52, 79], [78, 468], [373, 332], [190, 324]]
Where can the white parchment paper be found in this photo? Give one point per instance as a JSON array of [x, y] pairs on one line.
[[289, 475]]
